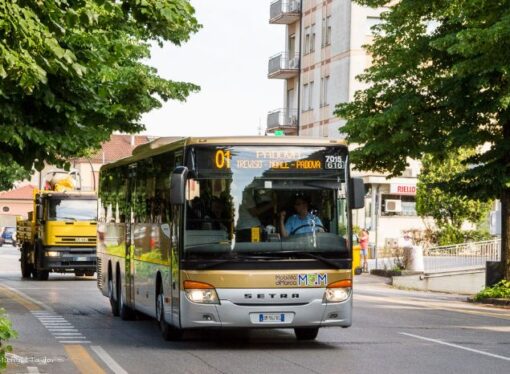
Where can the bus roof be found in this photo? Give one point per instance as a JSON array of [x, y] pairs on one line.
[[164, 144]]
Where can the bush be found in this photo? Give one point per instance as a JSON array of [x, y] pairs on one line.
[[450, 235], [500, 290], [6, 333]]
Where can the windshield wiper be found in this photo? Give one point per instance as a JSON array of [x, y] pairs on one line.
[[233, 258], [324, 260]]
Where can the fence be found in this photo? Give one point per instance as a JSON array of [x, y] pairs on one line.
[[461, 256]]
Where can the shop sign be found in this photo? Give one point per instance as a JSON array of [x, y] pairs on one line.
[[403, 189]]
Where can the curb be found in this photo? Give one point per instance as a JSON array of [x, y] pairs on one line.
[[493, 301]]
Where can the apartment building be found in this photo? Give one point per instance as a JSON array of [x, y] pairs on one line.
[[322, 55]]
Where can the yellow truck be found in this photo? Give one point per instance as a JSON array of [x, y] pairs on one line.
[[59, 234]]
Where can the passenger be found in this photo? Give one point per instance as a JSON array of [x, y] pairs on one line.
[[218, 218], [249, 212], [363, 243], [303, 222]]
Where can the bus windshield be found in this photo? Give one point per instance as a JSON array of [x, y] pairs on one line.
[[74, 210], [262, 200]]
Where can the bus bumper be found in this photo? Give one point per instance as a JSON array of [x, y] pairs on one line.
[[313, 313]]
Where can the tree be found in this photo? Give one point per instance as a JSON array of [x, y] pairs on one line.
[[449, 210], [439, 82], [72, 72]]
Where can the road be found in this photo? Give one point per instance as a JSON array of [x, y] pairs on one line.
[[65, 326]]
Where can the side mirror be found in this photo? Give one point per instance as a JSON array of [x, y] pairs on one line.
[[39, 212], [357, 195], [178, 185]]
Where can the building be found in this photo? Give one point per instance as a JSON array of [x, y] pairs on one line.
[[19, 200], [323, 54]]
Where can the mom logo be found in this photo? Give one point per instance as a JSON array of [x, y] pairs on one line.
[[312, 279]]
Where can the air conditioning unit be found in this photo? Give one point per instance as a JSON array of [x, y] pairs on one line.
[[393, 206]]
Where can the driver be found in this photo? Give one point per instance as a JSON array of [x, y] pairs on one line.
[[303, 222]]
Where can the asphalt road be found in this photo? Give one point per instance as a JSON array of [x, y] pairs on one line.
[[65, 326]]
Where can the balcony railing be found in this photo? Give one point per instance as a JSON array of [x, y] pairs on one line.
[[282, 67], [282, 119], [285, 11]]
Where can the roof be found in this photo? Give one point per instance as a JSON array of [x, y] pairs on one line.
[[23, 193], [119, 146]]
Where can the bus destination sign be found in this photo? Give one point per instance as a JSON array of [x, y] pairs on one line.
[[277, 160]]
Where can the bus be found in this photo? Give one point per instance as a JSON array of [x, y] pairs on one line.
[[191, 232]]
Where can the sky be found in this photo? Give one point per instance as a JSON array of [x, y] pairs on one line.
[[228, 59]]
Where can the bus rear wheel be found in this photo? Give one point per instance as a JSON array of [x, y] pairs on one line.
[[113, 302], [306, 333], [167, 331]]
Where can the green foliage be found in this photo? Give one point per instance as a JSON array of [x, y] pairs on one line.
[[499, 290], [433, 90], [6, 333], [72, 72], [439, 82], [449, 210], [449, 235]]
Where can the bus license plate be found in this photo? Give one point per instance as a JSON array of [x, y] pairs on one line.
[[271, 317]]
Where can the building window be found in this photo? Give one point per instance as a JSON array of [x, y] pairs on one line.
[[398, 205], [307, 40], [310, 96], [305, 97], [324, 91], [312, 38], [327, 40]]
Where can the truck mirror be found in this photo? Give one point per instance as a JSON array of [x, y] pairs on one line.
[[178, 185], [39, 212], [357, 194]]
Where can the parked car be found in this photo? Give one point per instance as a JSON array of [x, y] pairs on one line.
[[8, 236]]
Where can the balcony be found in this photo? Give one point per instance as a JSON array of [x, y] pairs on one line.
[[282, 119], [282, 67], [285, 12]]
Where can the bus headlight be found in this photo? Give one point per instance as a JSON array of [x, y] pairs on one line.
[[200, 292], [337, 292]]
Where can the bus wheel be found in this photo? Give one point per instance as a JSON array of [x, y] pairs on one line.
[[125, 312], [306, 333], [168, 332], [113, 303]]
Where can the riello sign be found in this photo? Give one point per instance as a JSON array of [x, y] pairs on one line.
[[403, 189]]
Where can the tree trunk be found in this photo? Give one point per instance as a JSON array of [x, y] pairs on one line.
[[505, 232]]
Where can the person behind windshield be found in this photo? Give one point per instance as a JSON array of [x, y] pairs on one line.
[[303, 222]]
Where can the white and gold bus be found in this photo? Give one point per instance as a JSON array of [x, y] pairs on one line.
[[190, 233]]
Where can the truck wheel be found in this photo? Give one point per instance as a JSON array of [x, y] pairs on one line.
[[89, 273], [26, 269], [42, 275], [306, 333], [79, 273]]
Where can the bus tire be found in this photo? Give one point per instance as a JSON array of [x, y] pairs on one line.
[[113, 302], [306, 333], [125, 312], [167, 331]]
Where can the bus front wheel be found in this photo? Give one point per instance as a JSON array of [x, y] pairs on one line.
[[169, 332], [306, 333]]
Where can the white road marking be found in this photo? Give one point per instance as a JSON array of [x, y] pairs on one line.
[[456, 346], [74, 341], [21, 294], [108, 360]]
